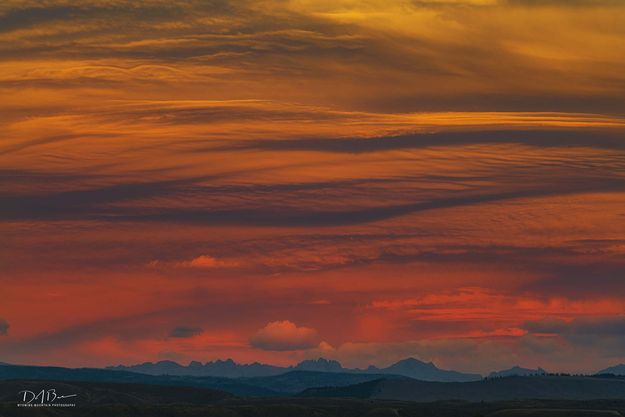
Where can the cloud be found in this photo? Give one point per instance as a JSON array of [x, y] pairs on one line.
[[284, 336], [537, 138], [521, 3], [16, 17], [199, 262], [563, 3], [83, 205], [4, 327], [124, 329], [427, 53], [600, 338], [599, 277], [592, 326], [184, 332], [27, 17], [310, 217], [206, 261]]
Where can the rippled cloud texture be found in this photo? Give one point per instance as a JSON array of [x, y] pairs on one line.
[[274, 180]]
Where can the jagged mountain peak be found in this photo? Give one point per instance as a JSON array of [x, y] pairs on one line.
[[409, 367], [414, 362], [320, 364]]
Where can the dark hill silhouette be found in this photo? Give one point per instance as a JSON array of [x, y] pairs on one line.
[[52, 373], [499, 389], [296, 381], [103, 393], [278, 385], [96, 399]]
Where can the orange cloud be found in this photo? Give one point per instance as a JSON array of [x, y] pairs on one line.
[[284, 336], [206, 261]]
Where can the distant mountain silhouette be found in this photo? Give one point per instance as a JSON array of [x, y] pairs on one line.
[[517, 371], [320, 365], [343, 384], [411, 367], [424, 371], [498, 389], [616, 370], [221, 368]]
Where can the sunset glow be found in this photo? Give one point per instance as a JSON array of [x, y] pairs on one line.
[[275, 180]]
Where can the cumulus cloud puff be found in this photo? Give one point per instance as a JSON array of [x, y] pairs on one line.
[[283, 336], [205, 261], [202, 261]]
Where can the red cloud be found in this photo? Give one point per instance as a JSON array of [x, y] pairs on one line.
[[285, 335]]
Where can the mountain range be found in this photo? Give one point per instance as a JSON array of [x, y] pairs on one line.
[[368, 386], [615, 370], [410, 367], [517, 371], [220, 368]]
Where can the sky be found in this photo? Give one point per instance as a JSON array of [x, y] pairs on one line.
[[277, 180]]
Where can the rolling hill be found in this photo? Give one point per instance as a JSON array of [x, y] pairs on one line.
[[103, 393], [278, 385], [500, 389], [52, 373], [97, 399]]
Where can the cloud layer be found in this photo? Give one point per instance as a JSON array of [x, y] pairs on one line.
[[422, 178], [185, 331]]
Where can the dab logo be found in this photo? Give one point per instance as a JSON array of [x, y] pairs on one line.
[[44, 398]]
